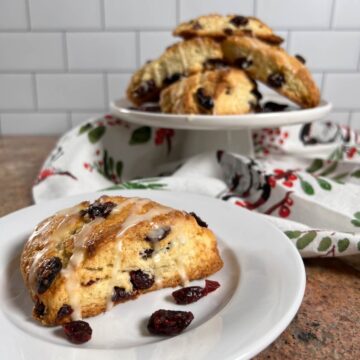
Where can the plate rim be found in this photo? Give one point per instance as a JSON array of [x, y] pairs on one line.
[[119, 107], [266, 339]]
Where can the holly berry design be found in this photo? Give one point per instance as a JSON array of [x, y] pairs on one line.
[[266, 140], [164, 135], [287, 178], [51, 171]]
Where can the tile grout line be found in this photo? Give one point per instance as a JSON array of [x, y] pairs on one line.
[[102, 15], [332, 14], [34, 91], [65, 52], [106, 89], [68, 120], [28, 15], [255, 7], [177, 12], [137, 48]]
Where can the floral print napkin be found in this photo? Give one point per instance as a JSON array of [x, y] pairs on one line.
[[305, 179]]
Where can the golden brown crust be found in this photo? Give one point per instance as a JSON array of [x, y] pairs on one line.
[[292, 78], [181, 59], [98, 254], [219, 26], [227, 91]]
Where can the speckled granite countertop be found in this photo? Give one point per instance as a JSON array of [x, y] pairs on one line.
[[327, 325]]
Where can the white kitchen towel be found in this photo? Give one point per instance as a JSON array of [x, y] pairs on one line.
[[304, 178]]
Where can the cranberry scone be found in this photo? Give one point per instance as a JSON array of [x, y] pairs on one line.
[[224, 91], [181, 59], [219, 26], [85, 259], [274, 67]]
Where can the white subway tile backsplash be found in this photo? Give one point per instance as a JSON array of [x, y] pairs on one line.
[[190, 9], [347, 14], [16, 92], [294, 13], [30, 51], [343, 90], [33, 123], [140, 13], [65, 14], [70, 91], [78, 118], [117, 84], [318, 49], [13, 15], [97, 51], [153, 44]]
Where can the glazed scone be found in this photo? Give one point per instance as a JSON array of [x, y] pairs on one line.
[[222, 92], [219, 26], [181, 59], [83, 260], [274, 67]]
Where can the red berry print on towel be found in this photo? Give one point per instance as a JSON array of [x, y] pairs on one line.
[[166, 135], [48, 172]]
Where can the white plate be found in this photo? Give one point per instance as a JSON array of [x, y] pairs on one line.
[[262, 285], [225, 122]]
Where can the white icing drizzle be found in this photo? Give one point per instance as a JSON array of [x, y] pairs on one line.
[[72, 282]]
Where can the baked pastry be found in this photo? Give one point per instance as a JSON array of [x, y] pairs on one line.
[[274, 67], [83, 260], [223, 92], [181, 59], [220, 26]]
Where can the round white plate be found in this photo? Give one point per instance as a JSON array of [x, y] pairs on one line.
[[262, 285], [122, 108]]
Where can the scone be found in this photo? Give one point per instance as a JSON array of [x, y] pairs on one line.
[[181, 59], [83, 260], [223, 92], [219, 26], [274, 67]]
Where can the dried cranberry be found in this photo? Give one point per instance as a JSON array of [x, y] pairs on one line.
[[228, 31], [169, 322], [146, 254], [271, 106], [300, 58], [39, 308], [47, 273], [64, 311], [145, 89], [192, 294], [211, 64], [243, 63], [119, 294], [78, 332], [205, 101], [171, 79], [98, 209], [158, 234], [276, 80], [199, 221], [196, 26], [239, 20], [141, 280]]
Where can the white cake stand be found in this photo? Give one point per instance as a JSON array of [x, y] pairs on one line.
[[229, 132]]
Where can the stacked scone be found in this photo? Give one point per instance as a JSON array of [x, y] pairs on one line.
[[215, 68]]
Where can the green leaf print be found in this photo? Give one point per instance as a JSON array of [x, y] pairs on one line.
[[330, 169], [96, 134], [325, 243], [343, 244], [293, 234], [358, 245], [119, 168], [357, 215], [305, 240], [316, 165], [325, 185], [308, 189], [356, 174], [339, 177], [355, 222], [131, 185], [111, 164], [85, 128], [140, 135]]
